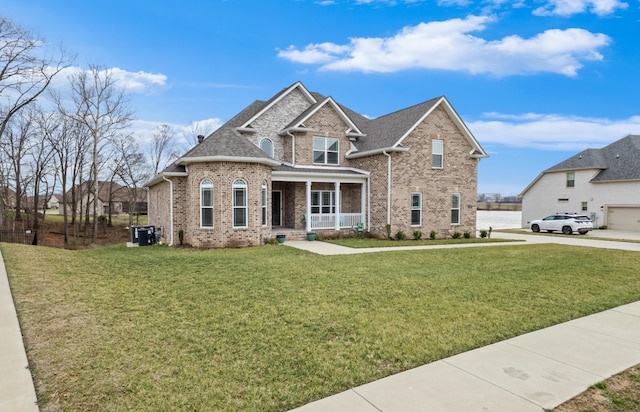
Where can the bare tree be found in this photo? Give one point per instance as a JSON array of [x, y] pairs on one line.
[[43, 166], [162, 151], [19, 139], [102, 108], [199, 128], [25, 69], [133, 170]]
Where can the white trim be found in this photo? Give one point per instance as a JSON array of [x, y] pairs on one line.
[[244, 186], [281, 207], [160, 177], [459, 209], [325, 150], [272, 147], [351, 126], [212, 207], [384, 150], [233, 159], [456, 119]]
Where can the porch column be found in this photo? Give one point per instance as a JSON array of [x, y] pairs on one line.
[[338, 201], [363, 203], [307, 220]]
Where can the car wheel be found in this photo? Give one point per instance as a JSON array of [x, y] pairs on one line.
[[567, 230], [583, 232], [535, 228]]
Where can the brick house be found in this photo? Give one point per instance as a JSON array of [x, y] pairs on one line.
[[302, 162]]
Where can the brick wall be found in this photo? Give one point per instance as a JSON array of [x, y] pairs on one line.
[[412, 172]]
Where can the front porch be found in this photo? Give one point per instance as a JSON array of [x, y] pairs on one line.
[[324, 200]]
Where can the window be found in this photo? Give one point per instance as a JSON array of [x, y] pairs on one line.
[[571, 179], [239, 203], [206, 203], [584, 206], [455, 209], [264, 203], [437, 152], [416, 209], [325, 150], [323, 202], [267, 146]]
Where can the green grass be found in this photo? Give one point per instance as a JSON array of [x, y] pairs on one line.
[[368, 243], [271, 328]]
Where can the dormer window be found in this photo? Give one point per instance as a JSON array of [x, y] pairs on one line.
[[266, 145], [325, 150]]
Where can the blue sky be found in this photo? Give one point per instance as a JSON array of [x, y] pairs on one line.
[[535, 80]]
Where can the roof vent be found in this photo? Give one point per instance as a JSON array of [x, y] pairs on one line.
[[200, 138]]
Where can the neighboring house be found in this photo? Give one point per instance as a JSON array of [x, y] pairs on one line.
[[601, 183], [110, 196], [301, 162], [54, 201]]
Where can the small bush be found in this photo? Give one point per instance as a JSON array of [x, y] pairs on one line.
[[388, 228], [271, 241], [432, 235], [603, 227], [483, 233], [466, 235], [417, 235], [181, 236], [400, 235], [456, 235]]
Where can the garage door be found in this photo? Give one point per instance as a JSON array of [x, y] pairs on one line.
[[624, 218]]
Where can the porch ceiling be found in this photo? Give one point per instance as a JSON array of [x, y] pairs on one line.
[[319, 174]]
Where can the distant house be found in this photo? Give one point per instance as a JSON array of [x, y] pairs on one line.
[[602, 183], [111, 197], [302, 162]]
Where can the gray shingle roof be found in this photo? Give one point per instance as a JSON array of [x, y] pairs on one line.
[[618, 161], [382, 132]]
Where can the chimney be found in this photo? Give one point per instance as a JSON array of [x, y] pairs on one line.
[[200, 138]]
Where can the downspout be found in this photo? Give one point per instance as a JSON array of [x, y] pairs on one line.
[[384, 152], [293, 147], [369, 203], [170, 209]]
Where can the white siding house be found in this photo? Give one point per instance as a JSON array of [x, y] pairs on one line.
[[601, 183]]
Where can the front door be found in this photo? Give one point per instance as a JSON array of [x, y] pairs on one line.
[[276, 208]]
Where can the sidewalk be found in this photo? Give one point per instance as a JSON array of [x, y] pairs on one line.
[[17, 393], [532, 372]]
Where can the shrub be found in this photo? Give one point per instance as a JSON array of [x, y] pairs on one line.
[[388, 227], [467, 235], [181, 236], [456, 235], [603, 227], [400, 235], [417, 235], [433, 234], [483, 233]]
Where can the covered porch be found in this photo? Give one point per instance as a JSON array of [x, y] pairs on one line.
[[319, 199]]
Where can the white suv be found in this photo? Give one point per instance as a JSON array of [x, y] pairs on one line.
[[565, 222]]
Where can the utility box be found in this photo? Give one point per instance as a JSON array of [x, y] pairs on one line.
[[146, 236], [138, 232]]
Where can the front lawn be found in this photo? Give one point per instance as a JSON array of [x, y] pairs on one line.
[[271, 328]]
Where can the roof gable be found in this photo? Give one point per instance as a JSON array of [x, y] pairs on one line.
[[276, 99], [352, 128]]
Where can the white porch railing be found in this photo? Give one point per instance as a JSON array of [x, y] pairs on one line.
[[328, 221]]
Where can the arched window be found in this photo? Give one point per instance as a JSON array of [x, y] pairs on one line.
[[206, 203], [264, 203], [267, 146], [239, 190]]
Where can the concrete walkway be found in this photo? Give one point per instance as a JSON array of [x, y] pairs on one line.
[[17, 393], [532, 372]]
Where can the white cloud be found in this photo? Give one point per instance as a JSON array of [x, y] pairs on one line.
[[448, 45], [132, 82], [571, 7], [139, 82], [551, 131]]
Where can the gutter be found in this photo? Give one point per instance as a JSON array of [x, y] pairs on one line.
[[170, 209], [384, 151]]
